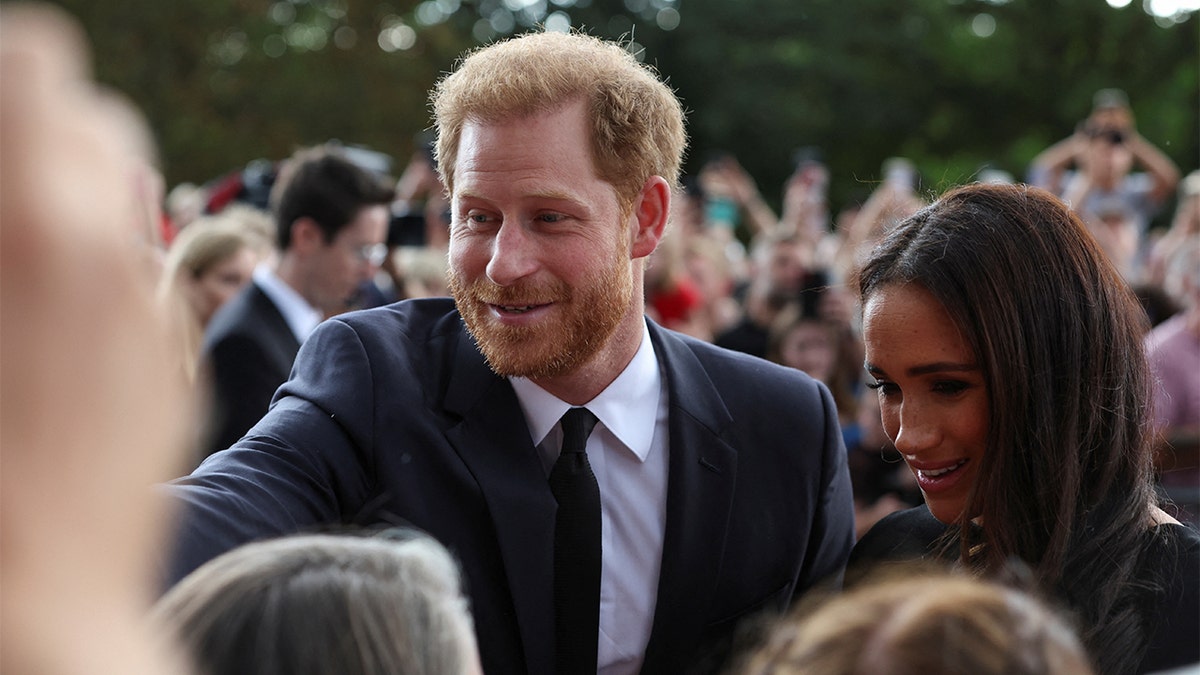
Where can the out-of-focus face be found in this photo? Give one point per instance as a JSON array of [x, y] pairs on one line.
[[540, 247], [932, 397], [787, 266], [810, 346], [343, 265], [220, 282], [1108, 162]]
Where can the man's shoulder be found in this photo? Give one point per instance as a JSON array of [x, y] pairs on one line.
[[420, 331], [418, 319], [248, 313]]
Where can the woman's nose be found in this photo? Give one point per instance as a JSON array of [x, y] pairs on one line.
[[918, 430]]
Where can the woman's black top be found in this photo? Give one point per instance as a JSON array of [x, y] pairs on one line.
[[1173, 559]]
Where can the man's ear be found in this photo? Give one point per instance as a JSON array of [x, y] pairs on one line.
[[650, 210], [306, 235]]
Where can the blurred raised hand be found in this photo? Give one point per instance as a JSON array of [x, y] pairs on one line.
[[92, 411]]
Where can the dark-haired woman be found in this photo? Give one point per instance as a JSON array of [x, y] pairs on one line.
[[1007, 355]]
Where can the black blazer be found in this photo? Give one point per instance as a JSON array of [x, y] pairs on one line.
[[248, 350], [392, 416]]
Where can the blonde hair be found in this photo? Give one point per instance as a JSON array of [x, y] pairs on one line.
[[636, 120], [204, 243], [924, 623]]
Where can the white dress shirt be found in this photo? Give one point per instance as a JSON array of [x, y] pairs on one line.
[[628, 454], [300, 316]]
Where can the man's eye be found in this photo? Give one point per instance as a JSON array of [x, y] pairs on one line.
[[551, 217]]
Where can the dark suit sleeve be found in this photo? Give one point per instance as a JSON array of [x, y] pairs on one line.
[[303, 466], [832, 534], [243, 380]]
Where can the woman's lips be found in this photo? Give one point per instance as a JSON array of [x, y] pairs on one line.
[[934, 478]]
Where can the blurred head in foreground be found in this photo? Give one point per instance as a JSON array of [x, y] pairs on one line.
[[314, 604], [930, 624]]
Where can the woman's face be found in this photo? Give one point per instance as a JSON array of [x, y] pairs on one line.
[[932, 397], [810, 346], [221, 282]]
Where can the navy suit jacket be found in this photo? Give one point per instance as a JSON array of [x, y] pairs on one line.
[[248, 350], [392, 416]]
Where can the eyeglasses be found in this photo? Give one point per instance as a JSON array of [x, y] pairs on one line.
[[372, 253]]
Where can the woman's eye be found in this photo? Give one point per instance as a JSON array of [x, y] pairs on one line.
[[950, 386], [883, 387]]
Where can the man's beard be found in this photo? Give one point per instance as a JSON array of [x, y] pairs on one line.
[[558, 345]]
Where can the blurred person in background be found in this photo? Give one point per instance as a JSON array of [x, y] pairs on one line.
[[185, 203], [1173, 349], [420, 272], [420, 210], [92, 413], [707, 262], [1185, 224], [801, 338], [208, 263], [732, 201], [894, 199], [331, 218], [1092, 170], [781, 272], [805, 198], [387, 604]]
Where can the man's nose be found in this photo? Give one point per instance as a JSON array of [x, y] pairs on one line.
[[514, 255]]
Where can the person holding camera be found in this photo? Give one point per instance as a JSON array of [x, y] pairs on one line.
[[1092, 170]]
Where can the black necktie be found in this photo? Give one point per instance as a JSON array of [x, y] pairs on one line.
[[576, 548]]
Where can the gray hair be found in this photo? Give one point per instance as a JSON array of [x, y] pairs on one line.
[[315, 604]]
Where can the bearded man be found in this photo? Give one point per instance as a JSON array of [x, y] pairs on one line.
[[705, 487]]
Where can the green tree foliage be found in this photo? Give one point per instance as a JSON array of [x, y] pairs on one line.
[[955, 85]]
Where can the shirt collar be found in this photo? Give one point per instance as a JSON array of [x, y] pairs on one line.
[[628, 407], [300, 316]]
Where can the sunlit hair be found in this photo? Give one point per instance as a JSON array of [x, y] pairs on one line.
[[198, 248], [636, 120], [1065, 483], [318, 604], [204, 243], [923, 624]]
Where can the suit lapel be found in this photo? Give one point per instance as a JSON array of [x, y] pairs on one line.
[[275, 328], [493, 441], [699, 494]]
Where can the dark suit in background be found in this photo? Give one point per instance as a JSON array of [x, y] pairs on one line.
[[392, 416], [248, 349]]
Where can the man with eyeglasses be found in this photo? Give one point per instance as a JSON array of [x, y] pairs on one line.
[[331, 218]]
